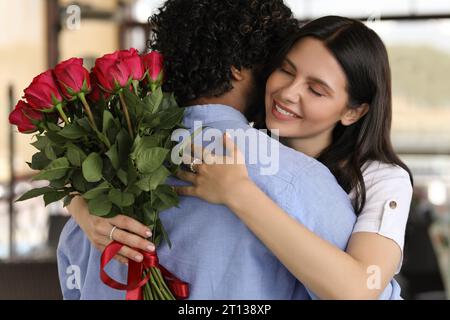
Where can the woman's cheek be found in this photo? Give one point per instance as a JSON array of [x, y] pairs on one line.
[[319, 112]]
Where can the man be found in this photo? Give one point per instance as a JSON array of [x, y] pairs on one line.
[[214, 51]]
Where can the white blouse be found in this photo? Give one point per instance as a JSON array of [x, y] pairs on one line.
[[388, 199]]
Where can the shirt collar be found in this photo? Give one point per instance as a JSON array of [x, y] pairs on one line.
[[212, 113]]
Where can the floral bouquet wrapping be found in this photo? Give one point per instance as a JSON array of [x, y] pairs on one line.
[[106, 135]]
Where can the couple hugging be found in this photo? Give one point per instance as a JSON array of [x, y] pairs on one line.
[[328, 223]]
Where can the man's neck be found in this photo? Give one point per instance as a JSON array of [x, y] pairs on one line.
[[225, 99]]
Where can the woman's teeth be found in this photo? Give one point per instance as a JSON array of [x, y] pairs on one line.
[[286, 113]]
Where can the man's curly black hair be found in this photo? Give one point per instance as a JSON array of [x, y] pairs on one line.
[[202, 39]]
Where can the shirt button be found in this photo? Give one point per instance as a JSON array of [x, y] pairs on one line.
[[393, 205]]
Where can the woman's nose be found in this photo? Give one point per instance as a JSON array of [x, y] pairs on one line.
[[292, 93]]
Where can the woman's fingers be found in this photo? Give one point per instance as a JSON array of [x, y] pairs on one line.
[[124, 253], [121, 259], [131, 225], [129, 253], [186, 191], [186, 176], [132, 240]]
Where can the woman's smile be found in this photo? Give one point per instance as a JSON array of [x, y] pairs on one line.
[[283, 113]]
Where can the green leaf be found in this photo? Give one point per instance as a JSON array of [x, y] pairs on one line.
[[34, 193], [54, 196], [108, 121], [163, 232], [55, 170], [121, 199], [53, 127], [111, 126], [41, 143], [171, 118], [103, 138], [72, 131], [134, 190], [113, 155], [92, 167], [144, 143], [169, 101], [152, 181], [50, 152], [144, 183], [39, 161], [168, 197], [123, 177], [150, 121], [102, 188], [75, 155], [153, 102], [158, 177], [68, 200], [124, 145], [150, 214], [78, 181], [84, 123], [60, 183], [148, 160], [100, 206], [132, 173], [136, 106]]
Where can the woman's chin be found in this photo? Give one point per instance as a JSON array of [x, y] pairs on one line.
[[280, 129]]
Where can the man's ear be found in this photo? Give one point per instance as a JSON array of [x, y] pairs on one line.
[[237, 74], [352, 115]]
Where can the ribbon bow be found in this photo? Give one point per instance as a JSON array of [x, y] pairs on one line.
[[135, 282]]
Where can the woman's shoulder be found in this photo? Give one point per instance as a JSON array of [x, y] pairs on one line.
[[377, 171], [385, 181], [380, 175]]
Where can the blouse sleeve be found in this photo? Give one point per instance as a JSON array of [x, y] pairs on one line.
[[388, 199]]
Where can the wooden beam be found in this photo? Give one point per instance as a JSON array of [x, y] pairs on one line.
[[11, 183], [53, 29]]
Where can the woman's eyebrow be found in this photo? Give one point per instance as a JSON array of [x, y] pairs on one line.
[[314, 79], [286, 59]]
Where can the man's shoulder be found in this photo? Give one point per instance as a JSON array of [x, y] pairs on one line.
[[267, 157], [286, 163]]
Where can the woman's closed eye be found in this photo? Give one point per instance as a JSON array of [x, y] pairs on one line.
[[315, 92], [287, 72]]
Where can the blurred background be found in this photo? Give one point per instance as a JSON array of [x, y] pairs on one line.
[[36, 34]]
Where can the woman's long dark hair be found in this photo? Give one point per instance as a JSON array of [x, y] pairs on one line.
[[364, 60]]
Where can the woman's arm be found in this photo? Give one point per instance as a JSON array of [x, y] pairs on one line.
[[360, 273], [130, 232]]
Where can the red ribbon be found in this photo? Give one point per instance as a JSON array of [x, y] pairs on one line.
[[180, 289]]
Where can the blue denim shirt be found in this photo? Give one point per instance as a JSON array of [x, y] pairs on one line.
[[212, 249]]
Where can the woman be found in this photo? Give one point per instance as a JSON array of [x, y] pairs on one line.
[[329, 95]]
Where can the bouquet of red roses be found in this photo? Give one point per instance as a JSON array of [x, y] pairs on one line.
[[106, 135]]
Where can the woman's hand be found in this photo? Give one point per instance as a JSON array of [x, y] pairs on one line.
[[129, 232], [219, 179]]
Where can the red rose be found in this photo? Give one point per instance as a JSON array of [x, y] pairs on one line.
[[96, 94], [154, 64], [43, 92], [116, 70], [22, 117], [73, 78]]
